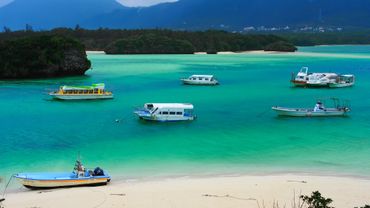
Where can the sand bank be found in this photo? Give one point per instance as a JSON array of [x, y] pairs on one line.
[[238, 191]]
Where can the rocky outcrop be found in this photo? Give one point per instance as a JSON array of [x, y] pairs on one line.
[[42, 57]]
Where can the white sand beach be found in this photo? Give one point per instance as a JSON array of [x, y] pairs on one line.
[[234, 191]]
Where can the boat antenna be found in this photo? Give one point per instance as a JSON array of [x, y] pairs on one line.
[[2, 198]]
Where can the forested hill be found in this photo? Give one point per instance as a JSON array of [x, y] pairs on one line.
[[162, 41], [186, 14], [41, 56]]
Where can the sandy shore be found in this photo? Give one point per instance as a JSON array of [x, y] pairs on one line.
[[238, 191]]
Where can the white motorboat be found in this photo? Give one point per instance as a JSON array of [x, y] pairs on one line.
[[318, 111], [200, 80], [79, 177], [306, 79], [166, 112], [347, 80]]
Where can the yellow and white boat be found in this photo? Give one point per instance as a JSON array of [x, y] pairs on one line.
[[93, 92], [79, 177]]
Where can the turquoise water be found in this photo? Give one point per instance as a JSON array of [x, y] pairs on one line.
[[236, 132]]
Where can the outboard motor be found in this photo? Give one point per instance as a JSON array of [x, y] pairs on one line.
[[98, 172]]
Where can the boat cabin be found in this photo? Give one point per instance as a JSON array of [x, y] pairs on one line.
[[200, 80], [94, 89], [166, 112]]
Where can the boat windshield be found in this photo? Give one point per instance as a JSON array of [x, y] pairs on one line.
[[188, 112]]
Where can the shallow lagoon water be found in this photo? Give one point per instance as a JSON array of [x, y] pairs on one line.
[[235, 133]]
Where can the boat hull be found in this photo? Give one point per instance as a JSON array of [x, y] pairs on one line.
[[340, 85], [165, 118], [307, 84], [41, 184], [81, 97], [305, 112], [192, 82], [39, 181]]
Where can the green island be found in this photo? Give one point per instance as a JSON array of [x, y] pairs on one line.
[[42, 56]]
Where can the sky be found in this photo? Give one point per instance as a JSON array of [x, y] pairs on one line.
[[4, 2], [131, 3]]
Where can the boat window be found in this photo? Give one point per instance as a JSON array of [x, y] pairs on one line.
[[206, 79], [172, 113], [150, 106], [165, 113], [200, 78], [179, 113], [188, 112]]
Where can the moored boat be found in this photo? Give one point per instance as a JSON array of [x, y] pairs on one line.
[[318, 111], [347, 80], [306, 79], [200, 80], [166, 112], [93, 92], [79, 177]]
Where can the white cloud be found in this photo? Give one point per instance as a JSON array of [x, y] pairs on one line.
[[4, 2], [138, 3]]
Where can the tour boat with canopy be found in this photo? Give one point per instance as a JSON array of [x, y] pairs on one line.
[[166, 112], [93, 92], [340, 108], [79, 177], [200, 80]]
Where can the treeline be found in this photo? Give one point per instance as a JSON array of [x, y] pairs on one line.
[[328, 38], [161, 41]]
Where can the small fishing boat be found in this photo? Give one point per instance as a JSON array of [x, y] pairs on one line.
[[79, 177], [347, 80], [200, 80], [93, 92], [318, 111], [166, 112], [306, 79]]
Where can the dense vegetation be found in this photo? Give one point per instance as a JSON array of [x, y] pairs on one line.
[[42, 56], [281, 46], [328, 38], [157, 41], [150, 44]]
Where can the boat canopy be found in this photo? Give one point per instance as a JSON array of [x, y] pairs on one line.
[[203, 76], [100, 86], [347, 75], [169, 105]]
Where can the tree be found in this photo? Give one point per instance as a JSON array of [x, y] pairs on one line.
[[316, 200], [29, 28], [7, 29]]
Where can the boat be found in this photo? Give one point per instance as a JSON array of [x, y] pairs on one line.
[[200, 80], [306, 79], [318, 111], [166, 112], [347, 80], [79, 177], [93, 92]]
